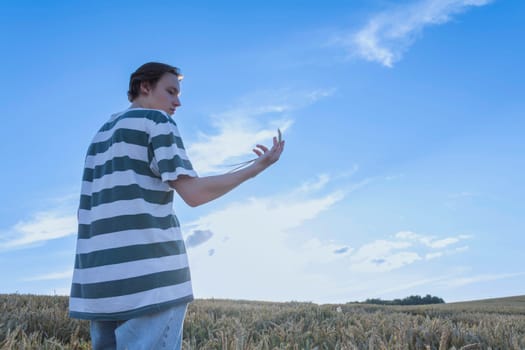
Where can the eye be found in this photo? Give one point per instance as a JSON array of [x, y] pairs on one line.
[[173, 92]]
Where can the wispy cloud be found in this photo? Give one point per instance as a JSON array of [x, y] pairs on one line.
[[254, 120], [430, 241], [320, 182], [253, 244], [382, 256], [66, 274], [445, 252], [463, 281], [317, 184], [387, 35], [43, 226], [404, 248], [261, 241]]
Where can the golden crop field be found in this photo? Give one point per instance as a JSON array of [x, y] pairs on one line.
[[41, 322]]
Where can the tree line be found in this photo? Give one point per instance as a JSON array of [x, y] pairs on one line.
[[410, 300]]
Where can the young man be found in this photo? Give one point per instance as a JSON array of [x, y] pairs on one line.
[[131, 277]]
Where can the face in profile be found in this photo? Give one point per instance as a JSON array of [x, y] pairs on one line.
[[164, 95]]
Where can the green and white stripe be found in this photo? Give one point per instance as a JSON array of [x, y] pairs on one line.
[[140, 303], [131, 259]]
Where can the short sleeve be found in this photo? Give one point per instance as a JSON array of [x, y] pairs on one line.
[[169, 156]]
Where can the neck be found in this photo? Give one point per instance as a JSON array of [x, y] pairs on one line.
[[138, 103]]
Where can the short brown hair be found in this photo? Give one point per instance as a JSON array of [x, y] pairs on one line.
[[149, 73]]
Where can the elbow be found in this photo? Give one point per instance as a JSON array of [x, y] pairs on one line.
[[188, 196], [192, 194], [192, 202]]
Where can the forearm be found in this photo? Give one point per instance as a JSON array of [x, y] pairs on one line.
[[200, 190]]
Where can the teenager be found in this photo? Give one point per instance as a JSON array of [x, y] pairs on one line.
[[131, 277]]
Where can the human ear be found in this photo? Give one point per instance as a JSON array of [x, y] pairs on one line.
[[145, 87]]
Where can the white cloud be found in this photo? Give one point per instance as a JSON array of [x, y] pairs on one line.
[[461, 249], [407, 235], [239, 129], [442, 243], [315, 250], [45, 225], [442, 253], [323, 179], [430, 256], [318, 184], [235, 138], [463, 281], [430, 241], [388, 35], [254, 254], [382, 256], [405, 248], [257, 251], [406, 282], [66, 274]]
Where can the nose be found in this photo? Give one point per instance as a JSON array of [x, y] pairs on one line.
[[176, 102]]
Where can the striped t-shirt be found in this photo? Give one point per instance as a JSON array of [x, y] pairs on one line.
[[130, 258]]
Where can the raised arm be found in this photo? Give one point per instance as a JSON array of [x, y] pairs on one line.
[[200, 190]]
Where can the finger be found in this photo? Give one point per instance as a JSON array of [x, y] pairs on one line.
[[263, 147], [279, 148], [256, 151]]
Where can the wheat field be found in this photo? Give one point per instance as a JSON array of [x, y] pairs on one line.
[[41, 322]]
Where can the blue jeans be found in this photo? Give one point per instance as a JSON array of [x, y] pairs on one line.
[[162, 330]]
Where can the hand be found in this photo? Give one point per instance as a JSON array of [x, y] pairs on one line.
[[267, 157]]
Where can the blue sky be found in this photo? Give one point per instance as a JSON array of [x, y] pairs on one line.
[[403, 168]]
